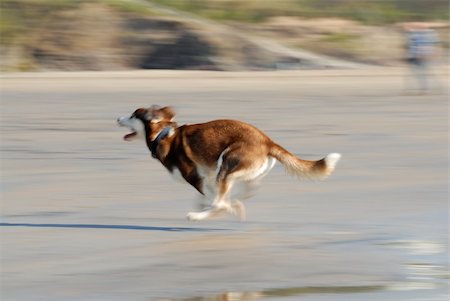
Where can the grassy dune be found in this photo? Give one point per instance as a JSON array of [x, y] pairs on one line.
[[367, 11], [79, 34]]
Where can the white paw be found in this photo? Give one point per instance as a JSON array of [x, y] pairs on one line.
[[197, 216], [192, 216]]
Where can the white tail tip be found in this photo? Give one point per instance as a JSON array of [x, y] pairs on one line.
[[332, 159]]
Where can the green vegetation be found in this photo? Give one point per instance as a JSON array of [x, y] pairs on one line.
[[128, 6], [18, 17], [342, 45], [63, 33], [366, 11], [340, 38]]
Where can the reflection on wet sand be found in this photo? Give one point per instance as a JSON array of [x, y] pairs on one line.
[[311, 290], [286, 292], [419, 276]]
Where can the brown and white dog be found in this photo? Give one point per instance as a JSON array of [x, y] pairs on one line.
[[215, 155]]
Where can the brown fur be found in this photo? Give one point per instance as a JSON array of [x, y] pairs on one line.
[[242, 148]]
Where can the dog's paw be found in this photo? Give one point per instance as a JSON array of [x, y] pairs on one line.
[[197, 216], [191, 216]]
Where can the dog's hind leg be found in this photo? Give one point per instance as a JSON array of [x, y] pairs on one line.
[[240, 163], [251, 181], [238, 209]]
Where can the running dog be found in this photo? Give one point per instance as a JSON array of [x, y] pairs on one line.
[[216, 155]]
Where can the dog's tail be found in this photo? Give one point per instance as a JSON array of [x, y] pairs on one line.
[[319, 169]]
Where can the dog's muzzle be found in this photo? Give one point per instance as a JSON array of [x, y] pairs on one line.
[[125, 121], [120, 121]]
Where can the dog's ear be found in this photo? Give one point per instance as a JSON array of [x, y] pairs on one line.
[[168, 112], [142, 114], [162, 114]]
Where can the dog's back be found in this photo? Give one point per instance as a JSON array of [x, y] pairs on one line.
[[207, 141]]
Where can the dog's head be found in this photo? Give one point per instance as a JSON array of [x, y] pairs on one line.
[[148, 122]]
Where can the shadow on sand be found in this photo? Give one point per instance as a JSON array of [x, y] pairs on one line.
[[112, 227]]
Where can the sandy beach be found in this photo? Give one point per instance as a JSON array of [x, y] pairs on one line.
[[88, 216]]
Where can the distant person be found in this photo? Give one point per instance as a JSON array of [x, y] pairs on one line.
[[421, 51]]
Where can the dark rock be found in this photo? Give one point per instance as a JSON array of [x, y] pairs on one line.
[[188, 51]]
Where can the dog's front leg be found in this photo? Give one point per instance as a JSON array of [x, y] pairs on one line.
[[201, 202], [209, 211], [220, 204]]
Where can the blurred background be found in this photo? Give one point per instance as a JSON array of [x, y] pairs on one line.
[[41, 35], [87, 216]]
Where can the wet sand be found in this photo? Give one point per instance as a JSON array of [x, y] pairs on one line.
[[87, 216]]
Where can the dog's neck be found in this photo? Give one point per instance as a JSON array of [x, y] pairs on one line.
[[165, 132]]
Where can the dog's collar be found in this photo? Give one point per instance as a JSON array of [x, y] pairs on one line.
[[163, 134]]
